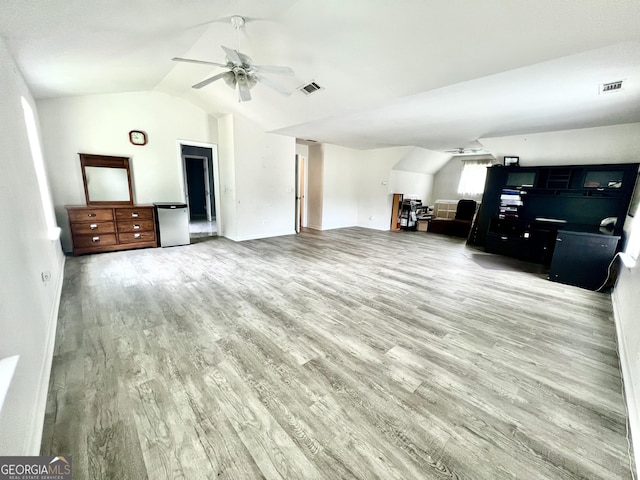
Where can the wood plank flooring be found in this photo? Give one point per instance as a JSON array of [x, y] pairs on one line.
[[349, 353]]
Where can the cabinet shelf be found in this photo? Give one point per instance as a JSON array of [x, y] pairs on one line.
[[554, 199]]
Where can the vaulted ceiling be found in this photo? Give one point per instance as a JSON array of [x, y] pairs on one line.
[[429, 73]]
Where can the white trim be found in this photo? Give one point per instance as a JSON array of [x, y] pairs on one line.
[[216, 177], [335, 227], [630, 395], [207, 193], [34, 433], [261, 236]]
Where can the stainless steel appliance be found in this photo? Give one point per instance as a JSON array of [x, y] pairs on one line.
[[173, 223]]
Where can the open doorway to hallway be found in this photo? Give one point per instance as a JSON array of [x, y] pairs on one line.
[[200, 174]]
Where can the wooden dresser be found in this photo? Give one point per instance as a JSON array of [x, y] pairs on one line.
[[108, 228]]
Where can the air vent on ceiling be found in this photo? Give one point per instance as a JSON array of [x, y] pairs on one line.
[[310, 88], [611, 87]]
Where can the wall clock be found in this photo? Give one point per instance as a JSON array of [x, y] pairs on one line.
[[137, 137]]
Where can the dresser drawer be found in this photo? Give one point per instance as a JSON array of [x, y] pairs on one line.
[[91, 215], [145, 213], [95, 228], [135, 225], [84, 241], [135, 237]]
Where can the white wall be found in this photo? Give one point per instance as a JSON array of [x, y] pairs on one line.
[[421, 160], [28, 306], [315, 187], [611, 144], [418, 185], [265, 182], [348, 187], [341, 174], [302, 149], [226, 159], [626, 302], [100, 124], [626, 305], [378, 180]]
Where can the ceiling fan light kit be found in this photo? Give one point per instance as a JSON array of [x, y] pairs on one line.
[[242, 73]]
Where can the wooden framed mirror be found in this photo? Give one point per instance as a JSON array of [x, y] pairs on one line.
[[107, 180]]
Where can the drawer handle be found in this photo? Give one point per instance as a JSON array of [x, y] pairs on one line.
[[137, 235], [93, 226], [134, 214], [136, 227], [91, 214], [95, 239]]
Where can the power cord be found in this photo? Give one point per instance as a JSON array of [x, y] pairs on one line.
[[606, 280]]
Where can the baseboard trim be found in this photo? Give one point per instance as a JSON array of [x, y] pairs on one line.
[[259, 236], [34, 439], [630, 396]]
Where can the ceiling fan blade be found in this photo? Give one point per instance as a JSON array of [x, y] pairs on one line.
[[203, 62], [273, 85], [244, 93], [209, 80], [272, 69], [232, 55]]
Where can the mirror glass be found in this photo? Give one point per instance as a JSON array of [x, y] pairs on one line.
[[106, 184], [107, 180]]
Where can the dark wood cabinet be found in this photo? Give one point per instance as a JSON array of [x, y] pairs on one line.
[[110, 228], [559, 198], [582, 259], [526, 211]]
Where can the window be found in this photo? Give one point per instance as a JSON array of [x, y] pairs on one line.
[[41, 174], [474, 173]]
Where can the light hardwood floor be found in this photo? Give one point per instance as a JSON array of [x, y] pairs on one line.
[[340, 354]]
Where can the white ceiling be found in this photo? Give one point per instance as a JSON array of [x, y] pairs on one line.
[[429, 73]]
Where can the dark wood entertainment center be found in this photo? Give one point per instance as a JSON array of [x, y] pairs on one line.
[[524, 209]]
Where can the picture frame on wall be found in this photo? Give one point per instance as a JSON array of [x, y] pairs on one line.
[[511, 161]]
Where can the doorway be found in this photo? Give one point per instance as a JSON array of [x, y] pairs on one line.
[[198, 187], [300, 193], [199, 165]]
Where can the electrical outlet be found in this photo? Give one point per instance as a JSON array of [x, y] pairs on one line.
[[46, 276]]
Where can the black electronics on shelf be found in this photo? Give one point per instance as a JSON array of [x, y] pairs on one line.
[[409, 213], [524, 209]]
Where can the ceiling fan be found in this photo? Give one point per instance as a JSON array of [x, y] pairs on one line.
[[242, 73], [462, 150]]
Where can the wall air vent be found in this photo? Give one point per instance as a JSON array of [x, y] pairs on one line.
[[310, 88], [610, 87]]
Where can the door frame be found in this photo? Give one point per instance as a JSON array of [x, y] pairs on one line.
[[207, 182], [217, 207], [300, 193]]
